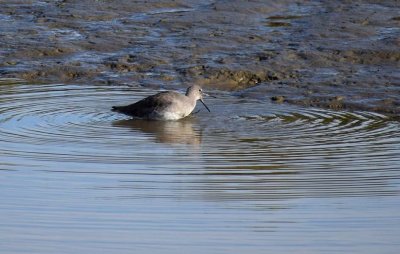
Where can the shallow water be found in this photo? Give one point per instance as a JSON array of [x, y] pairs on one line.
[[249, 177]]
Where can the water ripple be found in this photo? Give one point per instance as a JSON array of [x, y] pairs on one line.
[[248, 150]]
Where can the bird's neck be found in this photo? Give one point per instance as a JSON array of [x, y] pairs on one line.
[[192, 97]]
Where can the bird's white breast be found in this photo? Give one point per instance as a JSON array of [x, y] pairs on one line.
[[172, 116]]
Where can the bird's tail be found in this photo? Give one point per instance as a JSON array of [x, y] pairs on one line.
[[115, 108]]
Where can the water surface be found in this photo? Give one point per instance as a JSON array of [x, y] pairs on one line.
[[249, 177]]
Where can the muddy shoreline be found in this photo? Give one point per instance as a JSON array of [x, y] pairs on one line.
[[329, 54]]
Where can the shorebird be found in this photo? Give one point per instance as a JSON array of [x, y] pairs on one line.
[[167, 105]]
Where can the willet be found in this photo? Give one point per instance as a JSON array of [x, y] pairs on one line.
[[165, 105]]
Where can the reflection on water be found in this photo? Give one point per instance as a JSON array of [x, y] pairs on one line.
[[249, 176], [172, 132]]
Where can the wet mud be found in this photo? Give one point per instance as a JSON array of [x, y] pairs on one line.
[[342, 55]]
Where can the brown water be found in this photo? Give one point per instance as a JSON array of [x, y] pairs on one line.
[[249, 177]]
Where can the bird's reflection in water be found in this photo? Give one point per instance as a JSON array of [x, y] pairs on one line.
[[171, 132]]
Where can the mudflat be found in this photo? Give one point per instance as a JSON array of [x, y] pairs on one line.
[[329, 54]]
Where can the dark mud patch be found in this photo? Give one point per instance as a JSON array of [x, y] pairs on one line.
[[285, 17], [234, 80], [133, 63], [277, 24], [226, 79], [62, 73], [43, 52]]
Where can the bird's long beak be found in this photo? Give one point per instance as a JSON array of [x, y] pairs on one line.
[[205, 105]]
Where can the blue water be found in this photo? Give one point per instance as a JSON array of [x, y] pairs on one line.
[[249, 177]]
